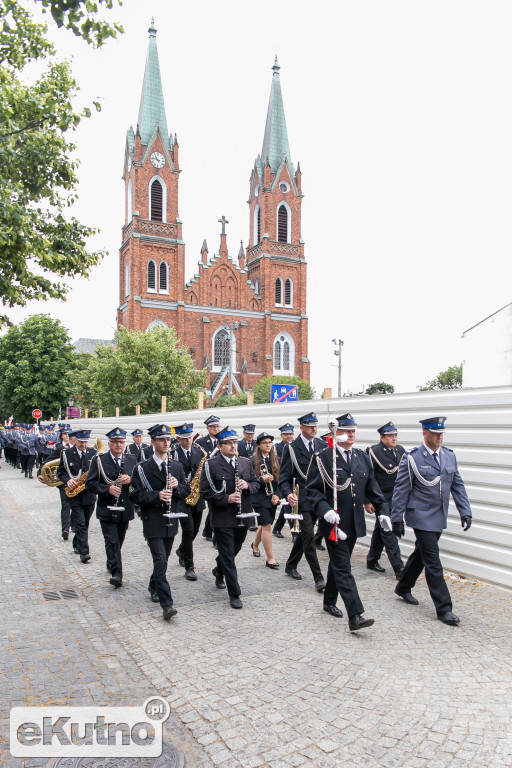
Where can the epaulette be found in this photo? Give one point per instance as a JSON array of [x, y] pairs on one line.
[[448, 449], [413, 449]]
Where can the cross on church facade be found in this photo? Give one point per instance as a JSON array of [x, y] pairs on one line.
[[223, 221]]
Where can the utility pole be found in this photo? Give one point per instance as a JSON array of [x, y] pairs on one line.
[[338, 343]]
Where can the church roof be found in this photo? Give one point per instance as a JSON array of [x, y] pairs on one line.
[[91, 345], [275, 141], [152, 107]]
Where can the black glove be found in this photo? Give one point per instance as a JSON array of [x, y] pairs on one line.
[[399, 529], [465, 522]]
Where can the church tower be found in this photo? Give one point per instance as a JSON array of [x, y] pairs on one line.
[[152, 254], [275, 256]]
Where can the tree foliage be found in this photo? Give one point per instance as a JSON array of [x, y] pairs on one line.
[[39, 242], [449, 379], [138, 370], [380, 388], [36, 360], [228, 400], [262, 388]]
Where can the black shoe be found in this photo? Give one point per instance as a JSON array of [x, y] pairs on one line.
[[253, 527], [375, 567], [76, 551], [85, 558], [449, 618], [179, 555], [293, 572], [208, 538], [214, 544], [219, 580], [398, 572], [235, 602], [31, 476], [407, 597], [65, 535], [154, 597], [319, 547], [116, 581], [271, 565], [333, 610], [254, 552], [190, 574], [278, 534], [169, 612], [359, 622], [319, 585]]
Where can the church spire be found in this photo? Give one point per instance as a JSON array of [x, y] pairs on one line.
[[152, 107], [275, 140]]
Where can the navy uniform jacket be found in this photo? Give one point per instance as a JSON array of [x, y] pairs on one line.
[[426, 507], [288, 471], [362, 487], [385, 466], [279, 449], [147, 452], [222, 475], [135, 450], [207, 443], [261, 498], [73, 461], [96, 483], [190, 467], [154, 524], [246, 448]]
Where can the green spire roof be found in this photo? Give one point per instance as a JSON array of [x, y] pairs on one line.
[[152, 107], [275, 141]]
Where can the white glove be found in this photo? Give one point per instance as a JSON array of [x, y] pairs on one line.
[[341, 535], [331, 517], [385, 523]]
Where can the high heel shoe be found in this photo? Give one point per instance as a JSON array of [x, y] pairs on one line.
[[254, 554], [272, 565]]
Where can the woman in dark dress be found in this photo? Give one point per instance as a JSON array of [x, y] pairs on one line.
[[265, 501]]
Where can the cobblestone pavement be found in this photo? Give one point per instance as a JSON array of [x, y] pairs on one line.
[[279, 683]]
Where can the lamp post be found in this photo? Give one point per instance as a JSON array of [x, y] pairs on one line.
[[339, 343], [71, 402], [231, 328]]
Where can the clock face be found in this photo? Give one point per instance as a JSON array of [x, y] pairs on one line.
[[157, 159]]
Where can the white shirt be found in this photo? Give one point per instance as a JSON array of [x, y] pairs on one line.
[[438, 452], [229, 459], [307, 442], [159, 461]]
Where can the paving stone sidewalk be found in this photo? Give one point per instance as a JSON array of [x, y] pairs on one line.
[[279, 683]]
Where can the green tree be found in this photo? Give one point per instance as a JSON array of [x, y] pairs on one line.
[[262, 388], [449, 379], [37, 357], [380, 388], [39, 243], [227, 400], [138, 370]]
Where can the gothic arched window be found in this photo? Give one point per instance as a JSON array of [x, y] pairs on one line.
[[151, 276], [279, 292], [164, 278], [277, 356], [156, 200], [127, 280], [284, 355], [282, 224], [221, 348], [288, 293], [257, 225]]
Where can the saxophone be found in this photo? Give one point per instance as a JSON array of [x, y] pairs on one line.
[[193, 496]]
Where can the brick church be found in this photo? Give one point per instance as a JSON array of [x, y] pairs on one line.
[[240, 316]]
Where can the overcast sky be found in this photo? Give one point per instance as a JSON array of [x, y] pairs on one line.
[[400, 115]]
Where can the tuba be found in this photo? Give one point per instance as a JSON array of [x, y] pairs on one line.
[[49, 473]]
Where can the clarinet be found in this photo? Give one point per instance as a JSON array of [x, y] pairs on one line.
[[115, 508], [237, 478], [169, 514]]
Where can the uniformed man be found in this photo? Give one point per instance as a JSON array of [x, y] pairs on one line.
[[385, 457], [61, 445], [247, 445], [297, 456], [136, 448], [157, 483], [109, 477], [75, 462], [426, 478], [355, 482], [287, 435], [189, 455], [209, 444], [226, 501]]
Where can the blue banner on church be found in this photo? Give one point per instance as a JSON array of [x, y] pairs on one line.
[[282, 393]]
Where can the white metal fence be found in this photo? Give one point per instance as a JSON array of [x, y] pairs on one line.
[[479, 430]]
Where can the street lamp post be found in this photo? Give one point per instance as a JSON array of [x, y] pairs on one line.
[[339, 343]]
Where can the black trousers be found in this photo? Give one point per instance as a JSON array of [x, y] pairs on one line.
[[384, 540], [426, 555], [80, 517], [208, 530], [29, 467], [114, 534], [160, 550], [339, 576], [229, 543], [23, 461], [304, 544], [65, 509], [189, 528]]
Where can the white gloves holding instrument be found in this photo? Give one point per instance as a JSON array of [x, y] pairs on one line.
[[331, 517]]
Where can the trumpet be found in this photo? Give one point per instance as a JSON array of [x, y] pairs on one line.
[[295, 514], [269, 488]]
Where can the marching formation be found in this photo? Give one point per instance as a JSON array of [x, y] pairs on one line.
[[321, 486]]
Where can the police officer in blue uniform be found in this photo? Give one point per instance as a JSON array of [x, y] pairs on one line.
[[247, 445], [385, 457], [426, 478]]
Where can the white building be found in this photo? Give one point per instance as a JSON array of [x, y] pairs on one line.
[[487, 351]]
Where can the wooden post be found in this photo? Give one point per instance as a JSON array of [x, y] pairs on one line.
[[164, 404], [86, 413], [200, 400], [117, 413], [250, 398], [137, 410], [100, 413], [328, 393]]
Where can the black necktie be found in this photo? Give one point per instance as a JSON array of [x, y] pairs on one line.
[[437, 460], [347, 458], [310, 447], [163, 469], [187, 454]]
